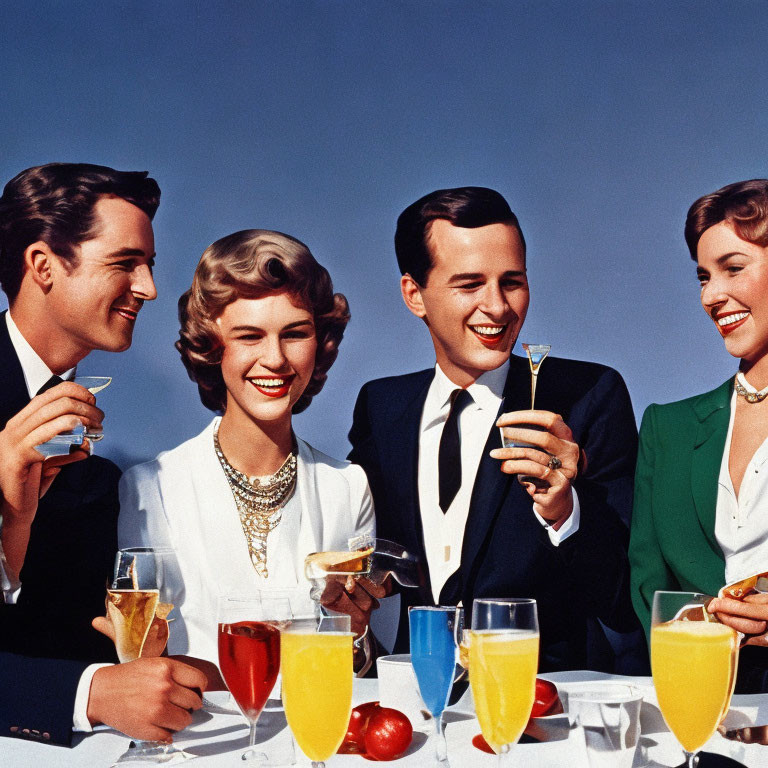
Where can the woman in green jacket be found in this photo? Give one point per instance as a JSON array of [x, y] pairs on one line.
[[700, 517]]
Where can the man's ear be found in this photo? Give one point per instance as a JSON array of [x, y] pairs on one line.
[[39, 261], [411, 291]]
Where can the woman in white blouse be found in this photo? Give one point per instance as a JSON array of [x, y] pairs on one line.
[[246, 500], [700, 517]]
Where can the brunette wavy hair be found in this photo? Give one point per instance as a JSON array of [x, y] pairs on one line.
[[251, 264], [744, 205]]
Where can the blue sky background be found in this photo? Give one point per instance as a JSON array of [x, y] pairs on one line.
[[601, 122]]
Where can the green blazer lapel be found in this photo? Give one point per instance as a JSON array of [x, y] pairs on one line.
[[713, 412]]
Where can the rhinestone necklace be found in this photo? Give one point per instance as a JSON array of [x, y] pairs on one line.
[[747, 391], [259, 504]]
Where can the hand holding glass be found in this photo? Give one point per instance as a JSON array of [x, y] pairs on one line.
[[60, 444]]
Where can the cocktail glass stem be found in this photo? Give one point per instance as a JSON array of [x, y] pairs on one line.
[[502, 757], [251, 756], [441, 747], [691, 759], [534, 379]]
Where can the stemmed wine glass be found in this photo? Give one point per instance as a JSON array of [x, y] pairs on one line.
[[433, 655], [316, 667], [503, 659], [249, 654], [139, 605], [694, 667], [59, 444]]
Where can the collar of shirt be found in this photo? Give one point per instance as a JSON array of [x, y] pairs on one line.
[[487, 393], [36, 372]]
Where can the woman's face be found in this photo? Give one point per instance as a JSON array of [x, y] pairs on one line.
[[269, 354], [734, 290]]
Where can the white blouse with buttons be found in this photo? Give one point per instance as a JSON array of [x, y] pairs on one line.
[[741, 523]]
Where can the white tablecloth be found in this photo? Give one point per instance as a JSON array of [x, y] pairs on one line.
[[218, 738]]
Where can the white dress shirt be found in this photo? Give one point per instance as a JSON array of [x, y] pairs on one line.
[[444, 532], [741, 523], [36, 373]]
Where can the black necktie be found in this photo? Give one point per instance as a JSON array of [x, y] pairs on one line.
[[52, 382], [449, 453]]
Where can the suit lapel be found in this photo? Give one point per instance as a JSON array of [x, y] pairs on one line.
[[13, 388], [713, 414], [491, 484], [401, 461]]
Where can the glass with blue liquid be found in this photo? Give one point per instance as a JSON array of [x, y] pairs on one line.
[[433, 655]]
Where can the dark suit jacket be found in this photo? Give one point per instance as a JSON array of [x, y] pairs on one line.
[[506, 551], [673, 545], [46, 639]]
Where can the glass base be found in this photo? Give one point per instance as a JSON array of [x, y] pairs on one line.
[[152, 752]]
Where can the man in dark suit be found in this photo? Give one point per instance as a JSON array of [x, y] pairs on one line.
[[76, 255], [548, 521]]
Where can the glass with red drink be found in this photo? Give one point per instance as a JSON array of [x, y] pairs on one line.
[[249, 653]]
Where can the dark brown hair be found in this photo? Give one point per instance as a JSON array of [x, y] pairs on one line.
[[251, 264], [54, 204], [744, 205], [469, 207]]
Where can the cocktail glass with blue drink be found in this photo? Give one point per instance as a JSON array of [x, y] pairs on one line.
[[433, 655]]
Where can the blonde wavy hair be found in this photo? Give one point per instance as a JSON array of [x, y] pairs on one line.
[[251, 264]]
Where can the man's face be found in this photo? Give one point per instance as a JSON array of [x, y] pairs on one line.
[[475, 298], [96, 302]]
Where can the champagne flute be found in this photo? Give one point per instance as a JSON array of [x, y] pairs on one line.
[[503, 658], [59, 444], [694, 667], [316, 666], [249, 654], [433, 655], [139, 605]]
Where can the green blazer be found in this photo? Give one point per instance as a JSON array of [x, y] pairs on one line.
[[672, 543]]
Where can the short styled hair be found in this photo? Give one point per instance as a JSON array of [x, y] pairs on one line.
[[54, 204], [469, 207], [251, 264], [744, 205]]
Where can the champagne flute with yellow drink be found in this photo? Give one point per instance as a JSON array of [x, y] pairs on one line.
[[694, 667], [139, 606], [316, 668], [503, 660]]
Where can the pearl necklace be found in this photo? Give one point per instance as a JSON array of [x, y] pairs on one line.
[[747, 391]]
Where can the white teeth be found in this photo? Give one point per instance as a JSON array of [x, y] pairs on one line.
[[734, 318], [488, 330], [269, 382]]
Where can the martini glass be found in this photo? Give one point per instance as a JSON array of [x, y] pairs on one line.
[[536, 355], [60, 444]]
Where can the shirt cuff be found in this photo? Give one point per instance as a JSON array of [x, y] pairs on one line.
[[568, 528], [10, 587], [80, 715]]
